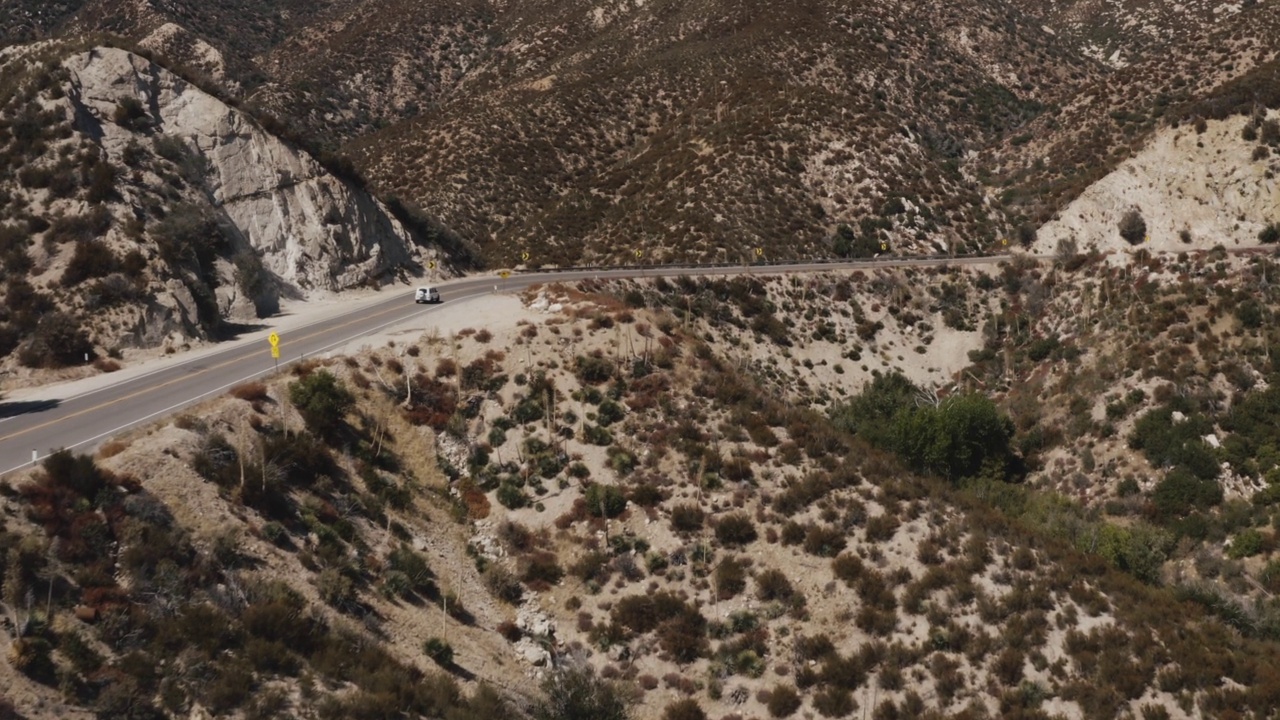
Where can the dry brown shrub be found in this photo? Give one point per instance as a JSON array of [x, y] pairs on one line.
[[477, 502], [111, 448], [251, 391]]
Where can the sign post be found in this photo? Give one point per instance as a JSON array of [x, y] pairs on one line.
[[274, 339]]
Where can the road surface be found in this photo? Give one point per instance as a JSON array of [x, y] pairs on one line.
[[31, 430]]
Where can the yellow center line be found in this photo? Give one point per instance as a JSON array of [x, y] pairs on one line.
[[183, 378]]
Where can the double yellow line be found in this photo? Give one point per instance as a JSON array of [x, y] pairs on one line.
[[154, 388]]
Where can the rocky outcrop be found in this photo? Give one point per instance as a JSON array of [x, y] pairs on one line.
[[312, 230], [1193, 189]]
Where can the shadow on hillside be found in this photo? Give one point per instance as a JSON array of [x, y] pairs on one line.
[[23, 407], [458, 671], [233, 331]]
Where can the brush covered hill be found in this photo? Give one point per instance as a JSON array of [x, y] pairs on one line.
[[138, 211], [694, 498], [700, 131]]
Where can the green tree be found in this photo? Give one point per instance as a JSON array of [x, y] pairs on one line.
[[871, 412], [964, 436], [322, 400], [576, 693]]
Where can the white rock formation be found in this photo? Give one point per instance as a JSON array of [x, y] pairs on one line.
[[1208, 184], [314, 231]]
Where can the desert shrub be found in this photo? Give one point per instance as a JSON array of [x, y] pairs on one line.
[[1008, 666], [685, 635], [824, 541], [736, 529], [335, 588], [512, 496], [322, 400], [1270, 234], [75, 228], [609, 412], [90, 259], [593, 369], [252, 391], [577, 693], [1133, 228], [189, 237], [834, 702], [686, 518], [783, 701], [847, 567], [541, 570], [413, 567], [502, 584], [792, 533], [881, 527], [131, 114], [773, 584], [59, 340], [1270, 132], [684, 709], [439, 651], [605, 500], [730, 578]]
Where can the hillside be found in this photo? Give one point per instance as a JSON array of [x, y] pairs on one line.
[[141, 212], [701, 131], [708, 492]]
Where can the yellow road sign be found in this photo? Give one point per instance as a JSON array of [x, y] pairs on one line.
[[639, 253], [504, 274], [524, 256], [884, 246], [432, 265], [275, 351], [274, 339], [759, 252]]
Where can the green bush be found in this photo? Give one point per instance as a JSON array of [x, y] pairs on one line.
[[593, 369], [439, 651], [322, 400], [963, 436], [1181, 491], [1167, 443], [1245, 544], [605, 500]]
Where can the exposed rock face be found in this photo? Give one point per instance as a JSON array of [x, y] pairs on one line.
[[1194, 190], [313, 231]]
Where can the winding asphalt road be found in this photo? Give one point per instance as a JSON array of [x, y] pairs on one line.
[[31, 430]]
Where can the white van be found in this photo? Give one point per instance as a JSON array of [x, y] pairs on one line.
[[427, 295]]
